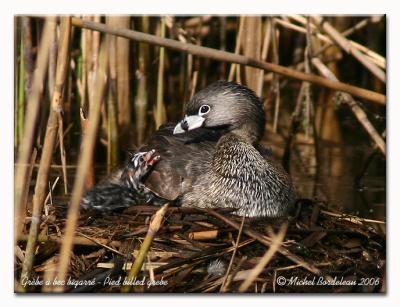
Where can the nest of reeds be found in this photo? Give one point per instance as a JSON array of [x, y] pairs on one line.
[[197, 250]]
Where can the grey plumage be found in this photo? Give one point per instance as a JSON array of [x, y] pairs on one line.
[[213, 158]]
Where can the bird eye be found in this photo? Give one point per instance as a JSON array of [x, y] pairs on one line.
[[204, 109]]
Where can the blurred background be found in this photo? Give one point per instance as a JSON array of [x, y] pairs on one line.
[[313, 130]]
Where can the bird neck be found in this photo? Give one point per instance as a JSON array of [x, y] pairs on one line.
[[248, 132]]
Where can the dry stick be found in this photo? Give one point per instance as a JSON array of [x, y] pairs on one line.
[[345, 33], [51, 79], [251, 45], [264, 54], [28, 53], [276, 243], [224, 284], [355, 108], [262, 239], [25, 192], [62, 151], [160, 116], [375, 57], [112, 100], [154, 226], [275, 82], [80, 239], [141, 98], [237, 47], [123, 76], [83, 166], [234, 58], [48, 147], [309, 50], [193, 84], [346, 46], [32, 112]]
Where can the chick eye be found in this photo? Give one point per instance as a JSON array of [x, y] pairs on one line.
[[204, 109]]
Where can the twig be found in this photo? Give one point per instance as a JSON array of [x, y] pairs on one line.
[[83, 166], [160, 116], [276, 243], [355, 108], [231, 57], [264, 54], [32, 112], [346, 46], [25, 192], [78, 240], [48, 146], [224, 284], [237, 47], [352, 218], [267, 242], [275, 81], [154, 226], [373, 56], [97, 242]]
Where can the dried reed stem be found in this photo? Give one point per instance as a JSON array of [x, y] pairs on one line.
[[276, 243], [141, 98], [237, 48], [21, 94], [349, 48], [122, 67], [264, 240], [373, 56], [355, 108], [264, 54], [234, 58], [154, 226], [275, 81], [83, 165], [48, 146], [252, 48], [160, 112], [32, 112], [225, 283]]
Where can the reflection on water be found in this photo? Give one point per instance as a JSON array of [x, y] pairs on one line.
[[349, 178]]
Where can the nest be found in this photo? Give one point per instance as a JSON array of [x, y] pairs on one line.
[[197, 250]]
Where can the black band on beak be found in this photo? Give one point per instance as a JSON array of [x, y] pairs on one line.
[[184, 125]]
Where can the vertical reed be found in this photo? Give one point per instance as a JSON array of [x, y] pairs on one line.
[[141, 98], [33, 107], [160, 112], [84, 161], [48, 146], [252, 48]]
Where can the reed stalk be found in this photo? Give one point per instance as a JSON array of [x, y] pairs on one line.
[[160, 112], [355, 108], [252, 48], [275, 82], [233, 58], [276, 243], [347, 47], [21, 94], [84, 162], [112, 115], [123, 89], [154, 226], [48, 146], [234, 67], [33, 107], [141, 98]]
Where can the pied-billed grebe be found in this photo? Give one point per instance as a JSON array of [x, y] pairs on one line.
[[211, 159]]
